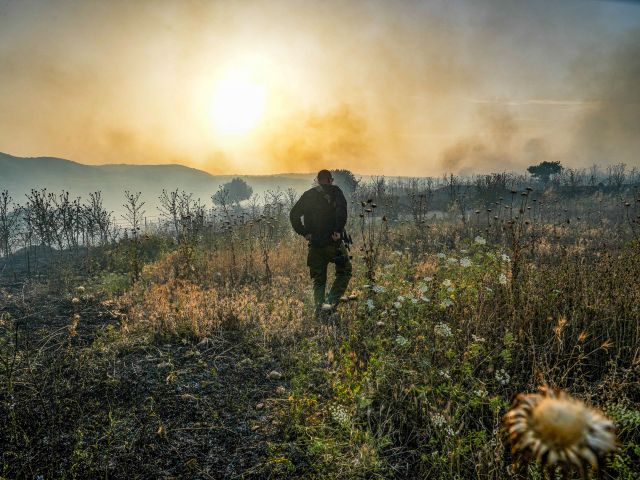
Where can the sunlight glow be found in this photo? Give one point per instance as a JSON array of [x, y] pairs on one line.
[[238, 105]]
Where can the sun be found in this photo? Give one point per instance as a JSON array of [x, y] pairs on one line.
[[238, 105]]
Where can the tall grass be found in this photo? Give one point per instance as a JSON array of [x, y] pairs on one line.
[[215, 333]]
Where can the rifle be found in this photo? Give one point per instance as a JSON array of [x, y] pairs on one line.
[[346, 239]]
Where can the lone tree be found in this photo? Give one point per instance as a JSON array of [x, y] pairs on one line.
[[544, 170], [234, 191], [346, 180]]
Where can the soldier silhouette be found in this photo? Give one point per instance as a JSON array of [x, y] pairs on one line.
[[320, 216]]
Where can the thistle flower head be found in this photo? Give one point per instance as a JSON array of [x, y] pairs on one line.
[[556, 429]]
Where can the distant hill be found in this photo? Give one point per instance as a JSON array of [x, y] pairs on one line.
[[19, 175]]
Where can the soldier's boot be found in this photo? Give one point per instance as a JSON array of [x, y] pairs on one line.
[[343, 275]]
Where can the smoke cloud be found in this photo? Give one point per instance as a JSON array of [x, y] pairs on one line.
[[304, 141], [411, 88], [491, 149], [609, 132]]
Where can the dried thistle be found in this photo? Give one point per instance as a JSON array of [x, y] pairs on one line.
[[558, 430]]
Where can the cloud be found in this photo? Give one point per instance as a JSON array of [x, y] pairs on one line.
[[375, 86], [312, 140], [490, 148], [609, 132]]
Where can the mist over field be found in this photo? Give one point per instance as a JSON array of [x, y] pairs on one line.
[[21, 175]]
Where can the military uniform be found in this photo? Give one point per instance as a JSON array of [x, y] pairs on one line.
[[324, 210]]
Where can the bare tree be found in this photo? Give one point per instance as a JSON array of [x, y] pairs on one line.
[[169, 208], [457, 199], [222, 201], [98, 220], [292, 197], [9, 222], [134, 211], [134, 216], [490, 187], [419, 194], [42, 215], [616, 175]]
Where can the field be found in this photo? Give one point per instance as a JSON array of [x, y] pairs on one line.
[[189, 349]]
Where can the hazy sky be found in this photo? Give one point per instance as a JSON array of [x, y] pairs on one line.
[[395, 87]]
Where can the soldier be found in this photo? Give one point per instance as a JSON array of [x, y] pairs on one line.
[[324, 209]]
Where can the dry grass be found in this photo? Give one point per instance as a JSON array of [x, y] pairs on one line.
[[211, 368]]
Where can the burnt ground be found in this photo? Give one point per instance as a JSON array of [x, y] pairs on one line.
[[100, 402]]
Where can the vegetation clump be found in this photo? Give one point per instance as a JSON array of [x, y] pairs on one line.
[[188, 348]]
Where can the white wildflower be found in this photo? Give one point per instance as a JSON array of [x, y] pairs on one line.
[[401, 298], [378, 289], [481, 393], [428, 279], [441, 255], [370, 304], [340, 415], [452, 260], [502, 279], [401, 341], [505, 257], [444, 374], [438, 420], [480, 241], [465, 262], [478, 339], [447, 283], [446, 303], [442, 330], [424, 288], [502, 377], [397, 305]]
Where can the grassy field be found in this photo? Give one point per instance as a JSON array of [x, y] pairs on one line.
[[202, 359]]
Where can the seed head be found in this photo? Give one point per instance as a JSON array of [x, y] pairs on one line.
[[558, 430]]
